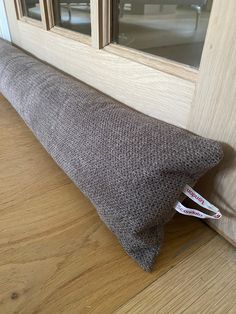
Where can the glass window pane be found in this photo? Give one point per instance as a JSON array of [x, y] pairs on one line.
[[73, 15], [173, 29], [31, 8]]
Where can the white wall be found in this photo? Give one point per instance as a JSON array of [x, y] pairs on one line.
[[4, 30]]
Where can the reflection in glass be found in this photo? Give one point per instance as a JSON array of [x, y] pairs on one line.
[[31, 8], [173, 29], [73, 15]]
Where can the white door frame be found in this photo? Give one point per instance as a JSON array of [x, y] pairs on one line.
[[4, 29]]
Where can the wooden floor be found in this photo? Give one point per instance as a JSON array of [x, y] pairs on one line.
[[58, 257]]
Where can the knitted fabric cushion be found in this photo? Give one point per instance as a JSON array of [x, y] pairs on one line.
[[131, 166]]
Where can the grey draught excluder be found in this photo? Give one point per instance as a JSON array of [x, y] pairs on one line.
[[132, 167]]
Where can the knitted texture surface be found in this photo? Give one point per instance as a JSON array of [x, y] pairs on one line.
[[131, 166]]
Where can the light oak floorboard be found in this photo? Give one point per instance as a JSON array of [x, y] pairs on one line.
[[56, 254], [203, 283]]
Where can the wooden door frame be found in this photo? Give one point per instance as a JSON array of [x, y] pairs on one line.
[[213, 113]]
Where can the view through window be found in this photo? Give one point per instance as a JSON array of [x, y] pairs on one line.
[[31, 8], [73, 15], [173, 29]]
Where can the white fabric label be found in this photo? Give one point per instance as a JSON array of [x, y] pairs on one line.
[[201, 201]]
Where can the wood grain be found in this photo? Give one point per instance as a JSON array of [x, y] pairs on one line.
[[79, 37], [203, 283], [49, 14], [213, 112], [168, 66], [97, 23], [56, 254], [45, 15], [100, 22], [142, 87]]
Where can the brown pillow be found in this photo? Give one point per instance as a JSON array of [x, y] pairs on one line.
[[132, 167]]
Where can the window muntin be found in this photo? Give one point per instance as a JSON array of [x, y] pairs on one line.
[[95, 18]]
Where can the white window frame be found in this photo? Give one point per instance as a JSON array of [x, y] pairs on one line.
[[4, 28]]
